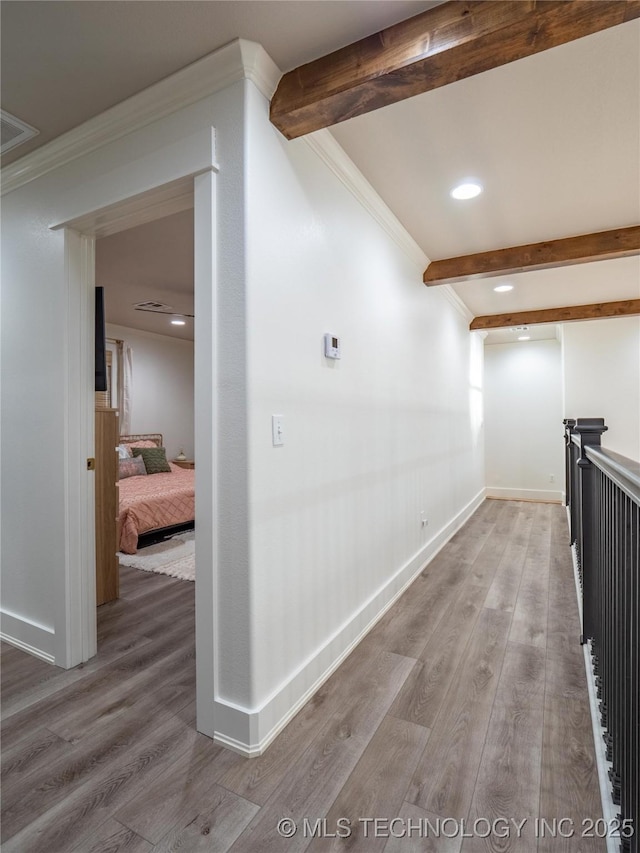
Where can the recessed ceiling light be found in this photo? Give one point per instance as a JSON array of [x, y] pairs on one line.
[[468, 189], [177, 322], [524, 338], [503, 288]]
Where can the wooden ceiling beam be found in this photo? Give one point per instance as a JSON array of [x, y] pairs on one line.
[[598, 310], [602, 246], [444, 44]]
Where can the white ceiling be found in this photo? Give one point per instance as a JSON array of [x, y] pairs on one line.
[[581, 284], [63, 62], [153, 262], [540, 332], [554, 138], [555, 141]]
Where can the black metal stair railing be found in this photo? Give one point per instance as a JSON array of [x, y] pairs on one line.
[[603, 497]]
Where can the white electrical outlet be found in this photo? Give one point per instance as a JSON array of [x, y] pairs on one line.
[[423, 519], [552, 479]]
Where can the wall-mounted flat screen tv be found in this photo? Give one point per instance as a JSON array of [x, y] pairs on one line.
[[101, 342]]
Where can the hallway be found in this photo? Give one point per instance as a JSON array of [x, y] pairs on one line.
[[467, 701]]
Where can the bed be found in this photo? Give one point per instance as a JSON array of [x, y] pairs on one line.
[[155, 501]]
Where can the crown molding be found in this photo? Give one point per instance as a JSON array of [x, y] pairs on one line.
[[259, 67], [452, 297], [238, 60], [334, 156]]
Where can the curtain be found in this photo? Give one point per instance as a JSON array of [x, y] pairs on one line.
[[125, 387]]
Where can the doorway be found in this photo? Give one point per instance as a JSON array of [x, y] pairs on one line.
[[196, 192]]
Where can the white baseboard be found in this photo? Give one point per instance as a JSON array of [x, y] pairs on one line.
[[609, 809], [250, 731], [27, 635], [499, 493]]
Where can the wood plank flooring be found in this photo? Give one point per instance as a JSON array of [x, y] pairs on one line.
[[460, 720]]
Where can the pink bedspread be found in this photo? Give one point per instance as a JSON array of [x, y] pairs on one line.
[[156, 500]]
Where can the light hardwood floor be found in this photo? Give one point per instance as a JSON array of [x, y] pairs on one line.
[[467, 701]]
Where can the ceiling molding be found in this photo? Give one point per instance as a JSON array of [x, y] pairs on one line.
[[335, 157], [585, 248], [596, 311], [238, 60], [440, 46], [259, 67], [324, 144], [452, 297]]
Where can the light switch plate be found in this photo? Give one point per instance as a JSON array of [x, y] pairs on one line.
[[277, 430]]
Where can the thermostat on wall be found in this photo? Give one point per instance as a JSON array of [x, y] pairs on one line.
[[331, 346]]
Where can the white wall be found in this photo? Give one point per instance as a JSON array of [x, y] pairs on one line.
[[38, 343], [391, 430], [315, 538], [601, 374], [523, 420], [162, 387]]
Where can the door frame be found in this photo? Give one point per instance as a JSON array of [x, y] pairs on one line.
[[76, 634]]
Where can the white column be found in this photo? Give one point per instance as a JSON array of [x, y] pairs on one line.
[[75, 639], [206, 438]]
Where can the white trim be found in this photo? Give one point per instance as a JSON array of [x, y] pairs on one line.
[[28, 636], [76, 635], [122, 191], [457, 303], [206, 441], [609, 809], [75, 638], [235, 61], [505, 494], [335, 157], [238, 746], [250, 731], [147, 206], [259, 67]]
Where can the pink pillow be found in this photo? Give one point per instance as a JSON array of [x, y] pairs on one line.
[[143, 442], [133, 467]]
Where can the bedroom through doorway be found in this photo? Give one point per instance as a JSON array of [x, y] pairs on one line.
[[145, 591], [76, 630]]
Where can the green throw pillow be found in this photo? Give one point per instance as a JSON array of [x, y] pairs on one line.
[[155, 459]]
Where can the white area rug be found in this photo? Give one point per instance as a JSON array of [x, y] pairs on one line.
[[175, 557]]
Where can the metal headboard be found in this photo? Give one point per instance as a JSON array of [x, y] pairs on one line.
[[148, 436]]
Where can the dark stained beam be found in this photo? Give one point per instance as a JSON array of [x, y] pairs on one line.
[[444, 44], [602, 246], [596, 311]]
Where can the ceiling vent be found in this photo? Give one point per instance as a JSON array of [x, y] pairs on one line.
[[159, 308], [14, 131], [152, 306]]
